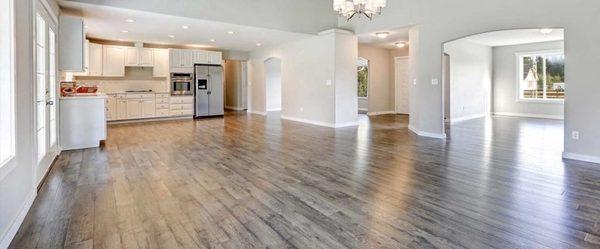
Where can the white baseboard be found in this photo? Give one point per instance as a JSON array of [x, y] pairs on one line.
[[427, 134], [320, 123], [465, 118], [234, 108], [16, 224], [157, 119], [380, 113], [530, 115], [363, 109], [274, 110], [580, 157], [257, 112]]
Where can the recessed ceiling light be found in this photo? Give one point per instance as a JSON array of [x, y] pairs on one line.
[[258, 44], [400, 44], [121, 40], [382, 35], [130, 20], [185, 27], [546, 31], [212, 40], [230, 32], [172, 36], [124, 31]]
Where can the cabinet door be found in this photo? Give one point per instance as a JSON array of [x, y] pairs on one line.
[[113, 61], [111, 107], [121, 109], [131, 56], [134, 108], [161, 63], [175, 56], [200, 57], [186, 58], [146, 57], [95, 59], [148, 108], [86, 60], [215, 58]]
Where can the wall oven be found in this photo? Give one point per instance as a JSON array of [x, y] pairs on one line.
[[182, 84]]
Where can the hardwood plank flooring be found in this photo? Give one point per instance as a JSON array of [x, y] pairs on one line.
[[248, 181]]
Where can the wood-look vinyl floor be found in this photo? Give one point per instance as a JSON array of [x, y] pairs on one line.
[[248, 181]]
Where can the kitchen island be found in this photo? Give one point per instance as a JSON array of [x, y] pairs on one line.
[[82, 121]]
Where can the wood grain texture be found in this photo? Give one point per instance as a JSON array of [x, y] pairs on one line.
[[247, 181]]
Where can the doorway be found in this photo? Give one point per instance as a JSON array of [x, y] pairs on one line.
[[46, 128], [401, 86], [362, 70], [273, 84]]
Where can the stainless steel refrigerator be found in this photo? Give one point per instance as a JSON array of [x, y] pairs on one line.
[[209, 90]]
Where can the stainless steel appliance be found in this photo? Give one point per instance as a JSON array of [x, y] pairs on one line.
[[209, 90], [182, 84]]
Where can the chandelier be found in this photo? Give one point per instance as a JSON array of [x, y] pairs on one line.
[[350, 8]]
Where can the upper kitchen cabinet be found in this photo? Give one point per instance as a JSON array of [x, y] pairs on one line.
[[181, 58], [72, 44], [161, 63], [186, 58], [139, 57], [215, 57], [113, 61], [92, 60], [200, 57]]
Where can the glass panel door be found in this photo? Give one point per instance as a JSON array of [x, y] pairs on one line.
[[46, 127]]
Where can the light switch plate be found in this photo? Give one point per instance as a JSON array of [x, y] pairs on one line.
[[415, 82], [328, 83], [435, 81], [575, 135]]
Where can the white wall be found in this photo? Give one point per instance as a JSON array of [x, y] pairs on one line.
[[273, 84], [439, 21], [307, 66], [470, 79], [505, 82], [17, 187]]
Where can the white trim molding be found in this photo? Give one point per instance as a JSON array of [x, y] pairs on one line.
[[529, 115], [465, 118], [234, 108], [320, 123], [580, 157], [274, 110], [426, 134], [380, 113], [16, 224], [257, 112]]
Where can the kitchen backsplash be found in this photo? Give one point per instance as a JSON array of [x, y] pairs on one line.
[[135, 79]]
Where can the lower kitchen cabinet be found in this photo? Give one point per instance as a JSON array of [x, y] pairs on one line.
[[131, 106], [148, 108], [121, 107], [111, 107], [134, 108]]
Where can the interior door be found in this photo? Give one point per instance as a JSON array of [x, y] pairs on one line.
[[46, 128], [402, 87]]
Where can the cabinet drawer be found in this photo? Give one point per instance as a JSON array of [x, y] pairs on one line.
[[181, 112], [182, 107], [162, 112], [182, 100], [134, 96], [163, 95], [147, 96], [162, 100], [162, 106]]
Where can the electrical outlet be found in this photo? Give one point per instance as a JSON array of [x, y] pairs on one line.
[[301, 109], [575, 135]]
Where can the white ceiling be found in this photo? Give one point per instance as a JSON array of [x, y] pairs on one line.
[[514, 37], [107, 23], [396, 35]]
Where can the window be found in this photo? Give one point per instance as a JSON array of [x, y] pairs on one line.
[[7, 115], [542, 76], [363, 77]]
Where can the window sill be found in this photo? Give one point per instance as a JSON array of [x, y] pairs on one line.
[[363, 98], [541, 101]]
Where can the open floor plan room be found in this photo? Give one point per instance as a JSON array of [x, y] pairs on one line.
[[299, 124]]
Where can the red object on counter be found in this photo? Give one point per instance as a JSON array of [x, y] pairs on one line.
[[87, 89]]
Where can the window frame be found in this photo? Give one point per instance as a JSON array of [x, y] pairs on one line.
[[519, 73], [366, 64], [8, 163]]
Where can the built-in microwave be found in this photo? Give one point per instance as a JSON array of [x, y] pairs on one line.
[[182, 84]]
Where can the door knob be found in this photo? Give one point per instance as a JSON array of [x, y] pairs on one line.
[[50, 102]]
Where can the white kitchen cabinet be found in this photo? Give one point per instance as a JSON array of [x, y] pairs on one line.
[[181, 58], [113, 61], [82, 121], [95, 55], [71, 44], [111, 107], [131, 56], [161, 63], [162, 104], [215, 58], [182, 106], [86, 60], [136, 57], [134, 108], [121, 107], [146, 57], [148, 108], [200, 57]]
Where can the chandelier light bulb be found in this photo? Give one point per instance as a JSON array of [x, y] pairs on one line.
[[352, 8]]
